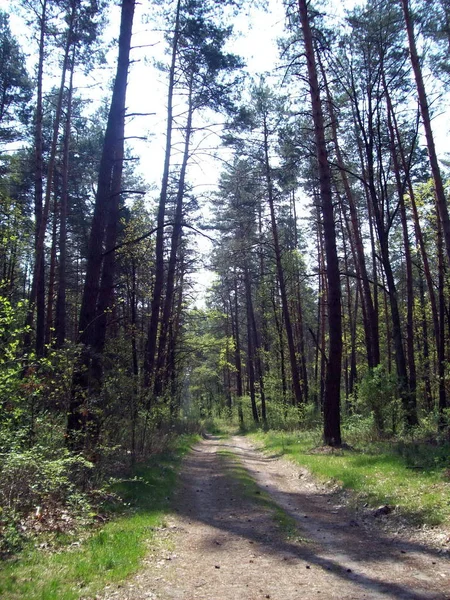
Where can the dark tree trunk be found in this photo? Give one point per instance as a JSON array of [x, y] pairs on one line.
[[332, 426], [85, 379]]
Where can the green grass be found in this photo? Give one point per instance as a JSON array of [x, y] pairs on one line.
[[234, 468], [111, 553], [378, 473]]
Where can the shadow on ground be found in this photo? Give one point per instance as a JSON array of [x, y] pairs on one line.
[[339, 547]]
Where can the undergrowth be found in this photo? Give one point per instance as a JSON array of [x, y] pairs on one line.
[[81, 567]]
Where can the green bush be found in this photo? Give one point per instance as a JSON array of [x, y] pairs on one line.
[[32, 478], [377, 395]]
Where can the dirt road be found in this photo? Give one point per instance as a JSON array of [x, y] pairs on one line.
[[224, 543]]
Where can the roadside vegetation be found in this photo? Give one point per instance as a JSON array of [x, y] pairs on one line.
[[408, 474], [104, 548]]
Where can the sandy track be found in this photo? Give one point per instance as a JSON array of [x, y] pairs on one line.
[[225, 545]]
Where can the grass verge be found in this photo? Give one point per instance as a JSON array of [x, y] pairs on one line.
[[111, 553], [378, 473]]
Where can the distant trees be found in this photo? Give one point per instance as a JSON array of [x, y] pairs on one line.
[[202, 74], [372, 258], [330, 221]]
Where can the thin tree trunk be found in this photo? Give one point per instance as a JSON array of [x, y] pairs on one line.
[[175, 242], [410, 401], [49, 329], [441, 199], [150, 349], [60, 311], [371, 321], [442, 403], [237, 350], [280, 274], [250, 347], [36, 286], [38, 184], [279, 329]]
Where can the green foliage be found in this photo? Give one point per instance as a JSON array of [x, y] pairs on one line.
[[111, 553], [15, 84], [32, 481], [32, 478], [377, 395]]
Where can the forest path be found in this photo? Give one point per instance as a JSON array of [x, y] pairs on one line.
[[223, 541]]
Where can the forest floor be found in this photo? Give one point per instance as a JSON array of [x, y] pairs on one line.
[[247, 526]]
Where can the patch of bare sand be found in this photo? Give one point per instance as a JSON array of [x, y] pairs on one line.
[[225, 545]]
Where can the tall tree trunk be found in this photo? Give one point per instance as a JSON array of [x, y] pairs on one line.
[[237, 350], [38, 184], [442, 403], [60, 311], [377, 210], [280, 273], [279, 329], [106, 207], [250, 346], [370, 322], [36, 286], [175, 242], [418, 233], [428, 392], [332, 419], [49, 325], [441, 199], [150, 349], [410, 401]]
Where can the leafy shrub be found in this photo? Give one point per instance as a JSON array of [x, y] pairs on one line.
[[31, 478], [11, 535], [377, 395], [285, 416]]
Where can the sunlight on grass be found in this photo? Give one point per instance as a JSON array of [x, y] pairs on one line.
[[377, 473], [109, 554]]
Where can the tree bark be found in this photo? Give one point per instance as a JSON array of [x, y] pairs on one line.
[[332, 422], [85, 379], [171, 269], [60, 311]]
